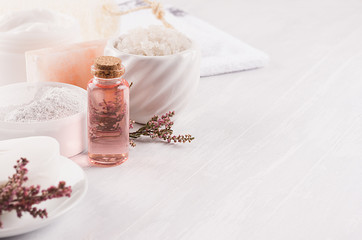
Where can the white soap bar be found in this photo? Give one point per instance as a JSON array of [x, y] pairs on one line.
[[41, 152]]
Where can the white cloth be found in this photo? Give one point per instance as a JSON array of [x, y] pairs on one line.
[[221, 52]]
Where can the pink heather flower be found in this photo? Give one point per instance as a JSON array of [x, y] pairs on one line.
[[15, 197], [131, 124], [160, 128]]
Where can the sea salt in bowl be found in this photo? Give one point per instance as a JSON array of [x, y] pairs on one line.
[[69, 130], [160, 83]]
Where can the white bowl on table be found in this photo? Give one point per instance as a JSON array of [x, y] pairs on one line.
[[69, 131], [160, 83]]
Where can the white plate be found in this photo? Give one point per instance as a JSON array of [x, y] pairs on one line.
[[68, 171]]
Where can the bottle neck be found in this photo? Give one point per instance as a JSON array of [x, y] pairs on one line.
[[107, 81]]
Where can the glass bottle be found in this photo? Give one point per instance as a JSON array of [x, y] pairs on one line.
[[108, 113]]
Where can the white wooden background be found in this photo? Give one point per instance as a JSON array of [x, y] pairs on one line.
[[278, 151]]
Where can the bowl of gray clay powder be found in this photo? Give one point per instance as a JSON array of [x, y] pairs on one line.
[[51, 109]]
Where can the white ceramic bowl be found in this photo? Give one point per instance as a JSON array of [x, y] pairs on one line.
[[160, 83], [69, 131]]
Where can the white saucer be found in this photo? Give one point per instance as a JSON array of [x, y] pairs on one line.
[[68, 171]]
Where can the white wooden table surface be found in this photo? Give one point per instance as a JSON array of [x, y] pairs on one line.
[[278, 151]]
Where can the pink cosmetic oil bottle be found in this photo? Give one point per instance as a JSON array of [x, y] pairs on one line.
[[108, 113]]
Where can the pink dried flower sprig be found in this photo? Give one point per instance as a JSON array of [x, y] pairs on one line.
[[15, 196], [160, 128]]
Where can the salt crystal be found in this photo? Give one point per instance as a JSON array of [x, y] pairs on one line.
[[153, 41], [49, 103], [68, 63]]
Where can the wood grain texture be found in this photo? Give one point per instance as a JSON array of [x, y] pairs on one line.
[[278, 150]]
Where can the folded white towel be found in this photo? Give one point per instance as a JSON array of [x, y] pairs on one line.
[[221, 52]]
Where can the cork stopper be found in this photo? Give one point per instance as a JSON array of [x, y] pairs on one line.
[[107, 67]]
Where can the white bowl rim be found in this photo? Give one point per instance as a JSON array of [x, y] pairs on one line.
[[27, 124], [194, 47]]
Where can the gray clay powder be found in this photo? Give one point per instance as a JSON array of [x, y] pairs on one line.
[[49, 103]]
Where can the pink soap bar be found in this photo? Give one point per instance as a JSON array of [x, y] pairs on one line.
[[69, 63]]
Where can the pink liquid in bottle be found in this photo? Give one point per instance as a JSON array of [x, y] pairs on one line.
[[108, 114]]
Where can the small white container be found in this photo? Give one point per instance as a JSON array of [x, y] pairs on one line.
[[160, 83], [26, 30], [69, 131]]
